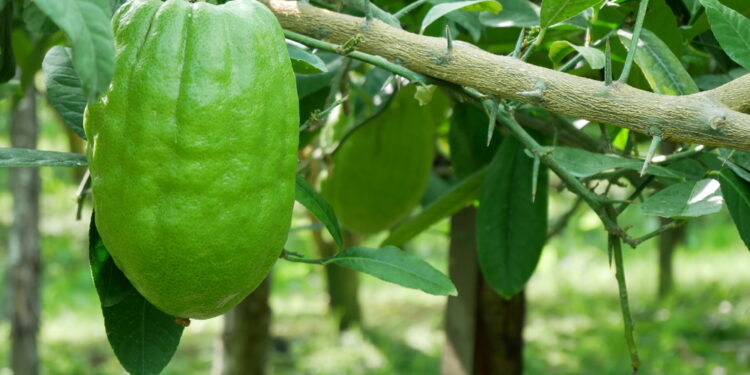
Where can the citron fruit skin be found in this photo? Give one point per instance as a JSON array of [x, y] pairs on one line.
[[380, 173], [192, 151]]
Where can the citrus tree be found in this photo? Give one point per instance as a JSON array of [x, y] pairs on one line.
[[206, 120]]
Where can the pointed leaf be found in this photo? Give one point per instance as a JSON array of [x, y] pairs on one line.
[[111, 284], [511, 228], [556, 11], [685, 199], [87, 25], [662, 69], [24, 157], [304, 62], [582, 163], [516, 13], [562, 48], [396, 266], [143, 338], [731, 29], [441, 10], [64, 88], [736, 193], [313, 201]]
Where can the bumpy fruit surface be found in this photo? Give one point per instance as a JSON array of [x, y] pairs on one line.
[[380, 173], [192, 151]]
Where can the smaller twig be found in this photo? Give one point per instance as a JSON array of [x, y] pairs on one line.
[[634, 195], [672, 225], [616, 249], [317, 115], [299, 258], [82, 192], [634, 42]]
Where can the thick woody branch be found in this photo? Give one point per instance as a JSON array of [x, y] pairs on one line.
[[710, 118]]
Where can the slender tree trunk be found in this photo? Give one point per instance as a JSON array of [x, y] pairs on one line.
[[245, 344], [484, 332], [24, 265], [668, 242]]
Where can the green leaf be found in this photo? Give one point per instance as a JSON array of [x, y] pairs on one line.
[[468, 140], [457, 197], [731, 29], [440, 10], [582, 163], [396, 266], [305, 62], [516, 13], [737, 196], [36, 21], [308, 197], [111, 284], [143, 338], [693, 6], [87, 25], [555, 11], [24, 157], [662, 69], [308, 84], [685, 199], [511, 228], [7, 59], [64, 88], [562, 48]]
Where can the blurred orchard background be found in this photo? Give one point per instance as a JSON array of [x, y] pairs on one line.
[[700, 325]]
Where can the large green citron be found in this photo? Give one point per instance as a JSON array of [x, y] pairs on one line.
[[380, 173], [192, 151]]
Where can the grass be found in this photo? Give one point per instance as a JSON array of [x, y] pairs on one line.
[[574, 324]]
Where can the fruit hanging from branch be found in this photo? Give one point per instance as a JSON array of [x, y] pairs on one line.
[[192, 151]]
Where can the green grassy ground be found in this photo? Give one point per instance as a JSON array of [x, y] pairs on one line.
[[574, 322]]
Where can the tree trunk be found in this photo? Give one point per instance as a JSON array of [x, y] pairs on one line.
[[484, 332], [245, 344], [24, 265], [668, 242]]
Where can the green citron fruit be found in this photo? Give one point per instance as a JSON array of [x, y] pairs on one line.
[[192, 151], [380, 172]]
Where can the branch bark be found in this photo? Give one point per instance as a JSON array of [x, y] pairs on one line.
[[710, 118]]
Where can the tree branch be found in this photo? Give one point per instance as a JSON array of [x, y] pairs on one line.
[[709, 118]]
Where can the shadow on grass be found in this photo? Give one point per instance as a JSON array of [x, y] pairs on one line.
[[401, 358]]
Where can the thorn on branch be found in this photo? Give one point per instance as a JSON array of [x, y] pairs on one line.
[[491, 107], [449, 37], [651, 151], [534, 178], [607, 63]]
